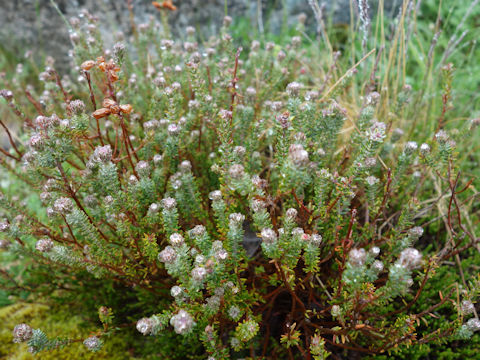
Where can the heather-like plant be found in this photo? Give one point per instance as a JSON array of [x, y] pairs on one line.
[[237, 197]]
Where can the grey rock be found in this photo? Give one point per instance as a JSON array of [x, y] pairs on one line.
[[36, 24]]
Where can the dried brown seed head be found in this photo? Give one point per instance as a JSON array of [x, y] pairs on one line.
[[100, 113], [107, 103], [126, 108], [87, 65]]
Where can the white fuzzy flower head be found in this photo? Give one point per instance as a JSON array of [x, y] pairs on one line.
[[268, 236], [169, 203], [22, 333], [4, 244], [143, 168], [199, 259], [311, 95], [182, 322], [153, 208], [377, 266], [257, 205], [357, 257], [4, 225], [173, 129], [176, 239], [185, 166], [316, 239], [293, 89], [473, 324], [370, 162], [157, 159], [93, 343], [251, 92], [467, 307], [145, 326], [336, 311], [410, 258], [132, 179], [291, 213], [35, 141], [198, 231], [227, 21], [225, 114], [377, 132], [215, 195], [102, 154], [44, 245], [198, 273], [298, 154], [221, 255], [375, 251], [236, 171], [441, 136], [424, 149], [239, 151], [416, 232], [63, 205], [371, 180], [234, 312], [410, 147], [167, 255], [236, 219], [176, 291]]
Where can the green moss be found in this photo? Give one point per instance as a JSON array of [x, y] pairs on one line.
[[55, 322]]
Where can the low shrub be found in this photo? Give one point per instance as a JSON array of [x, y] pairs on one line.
[[230, 202]]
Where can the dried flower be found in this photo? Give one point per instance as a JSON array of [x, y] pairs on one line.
[[100, 113], [87, 65]]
